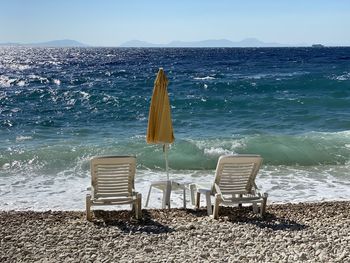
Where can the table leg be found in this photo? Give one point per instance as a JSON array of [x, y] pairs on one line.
[[164, 201], [198, 200], [192, 190], [184, 197], [149, 194]]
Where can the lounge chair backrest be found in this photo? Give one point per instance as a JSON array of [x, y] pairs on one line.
[[236, 173], [113, 176]]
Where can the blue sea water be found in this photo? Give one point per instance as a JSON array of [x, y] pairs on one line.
[[61, 106]]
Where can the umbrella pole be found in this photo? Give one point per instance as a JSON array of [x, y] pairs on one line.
[[166, 146], [168, 182]]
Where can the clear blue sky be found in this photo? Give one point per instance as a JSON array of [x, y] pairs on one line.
[[112, 22]]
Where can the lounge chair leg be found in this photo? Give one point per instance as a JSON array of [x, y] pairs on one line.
[[217, 202], [240, 204], [88, 207], [198, 199], [255, 208], [138, 211], [263, 204], [209, 209]]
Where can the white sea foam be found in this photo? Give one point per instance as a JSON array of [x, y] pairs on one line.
[[71, 102], [218, 147], [39, 78], [85, 95], [217, 151], [204, 78], [277, 75], [6, 166], [342, 77], [141, 117], [23, 138], [57, 82], [21, 83], [17, 66], [283, 183], [110, 99], [300, 184], [6, 82]]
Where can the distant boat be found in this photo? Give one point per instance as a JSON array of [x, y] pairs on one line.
[[317, 45]]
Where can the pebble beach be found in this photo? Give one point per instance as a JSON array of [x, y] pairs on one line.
[[304, 232]]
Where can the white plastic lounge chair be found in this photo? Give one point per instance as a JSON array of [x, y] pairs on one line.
[[112, 183], [234, 183]]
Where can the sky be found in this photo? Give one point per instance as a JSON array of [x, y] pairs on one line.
[[113, 22]]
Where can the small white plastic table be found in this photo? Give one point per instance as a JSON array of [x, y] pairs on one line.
[[167, 186]]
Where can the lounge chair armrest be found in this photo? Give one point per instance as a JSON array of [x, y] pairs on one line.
[[219, 196], [217, 189], [134, 193], [257, 192], [91, 191]]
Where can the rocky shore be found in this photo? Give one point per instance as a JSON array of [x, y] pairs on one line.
[[315, 232]]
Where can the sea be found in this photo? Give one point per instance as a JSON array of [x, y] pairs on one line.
[[59, 107]]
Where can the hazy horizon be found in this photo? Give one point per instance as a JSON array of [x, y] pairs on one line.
[[112, 23], [206, 43]]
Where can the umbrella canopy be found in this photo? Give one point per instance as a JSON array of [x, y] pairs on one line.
[[160, 127]]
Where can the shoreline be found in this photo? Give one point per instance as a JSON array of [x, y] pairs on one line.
[[303, 232], [123, 208]]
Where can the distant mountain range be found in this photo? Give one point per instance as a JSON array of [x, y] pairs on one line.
[[248, 42], [53, 43]]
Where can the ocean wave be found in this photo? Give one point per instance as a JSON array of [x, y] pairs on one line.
[[277, 75], [20, 67], [217, 151], [342, 77], [284, 184], [6, 82], [185, 154]]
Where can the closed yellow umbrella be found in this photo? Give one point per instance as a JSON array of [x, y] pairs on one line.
[[160, 128]]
